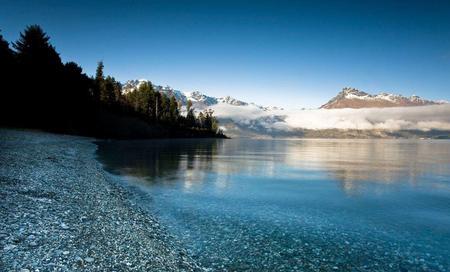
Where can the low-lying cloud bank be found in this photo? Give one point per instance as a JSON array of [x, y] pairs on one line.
[[424, 118], [420, 118]]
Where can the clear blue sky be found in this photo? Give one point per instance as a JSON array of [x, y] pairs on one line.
[[287, 53]]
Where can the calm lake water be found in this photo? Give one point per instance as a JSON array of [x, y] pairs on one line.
[[306, 205]]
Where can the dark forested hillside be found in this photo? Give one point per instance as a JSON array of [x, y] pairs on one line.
[[39, 91]]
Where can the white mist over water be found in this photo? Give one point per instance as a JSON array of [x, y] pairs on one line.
[[423, 118]]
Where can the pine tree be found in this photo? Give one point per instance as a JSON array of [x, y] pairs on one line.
[[117, 93], [6, 55], [190, 116], [41, 66], [157, 106], [99, 76], [173, 109], [214, 123], [201, 120], [99, 82], [7, 60], [207, 123], [35, 51], [151, 101], [7, 77], [144, 100], [164, 108], [108, 91], [78, 99]]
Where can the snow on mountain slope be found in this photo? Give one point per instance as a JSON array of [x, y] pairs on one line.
[[232, 101], [353, 98], [255, 120], [133, 84], [199, 100], [238, 118]]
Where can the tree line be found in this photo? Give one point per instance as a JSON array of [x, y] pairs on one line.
[[38, 90]]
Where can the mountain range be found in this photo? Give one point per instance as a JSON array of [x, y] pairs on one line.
[[199, 100], [351, 113], [355, 99]]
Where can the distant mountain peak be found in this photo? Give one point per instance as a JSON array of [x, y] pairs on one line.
[[354, 98], [232, 101], [353, 91], [133, 84]]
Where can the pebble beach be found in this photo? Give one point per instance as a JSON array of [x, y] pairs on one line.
[[62, 212]]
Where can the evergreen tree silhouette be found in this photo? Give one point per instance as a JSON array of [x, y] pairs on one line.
[[173, 109], [78, 103], [40, 66], [99, 82], [7, 77], [190, 116], [6, 56], [108, 94]]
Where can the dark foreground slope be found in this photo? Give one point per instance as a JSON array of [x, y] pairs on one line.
[[62, 212]]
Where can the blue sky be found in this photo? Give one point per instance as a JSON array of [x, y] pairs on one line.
[[287, 53]]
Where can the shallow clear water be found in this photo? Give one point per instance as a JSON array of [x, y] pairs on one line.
[[306, 205]]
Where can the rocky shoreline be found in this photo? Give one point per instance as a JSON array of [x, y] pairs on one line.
[[62, 212]]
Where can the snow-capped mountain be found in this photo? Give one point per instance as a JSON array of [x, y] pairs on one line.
[[232, 101], [351, 113], [199, 100], [134, 84], [353, 98]]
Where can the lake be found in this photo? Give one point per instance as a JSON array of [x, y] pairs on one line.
[[296, 205]]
